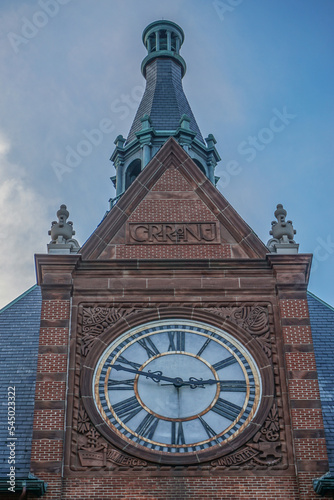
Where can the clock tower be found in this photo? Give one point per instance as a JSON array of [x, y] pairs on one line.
[[175, 344]]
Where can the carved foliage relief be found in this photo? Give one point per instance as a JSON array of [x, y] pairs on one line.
[[95, 320], [90, 450]]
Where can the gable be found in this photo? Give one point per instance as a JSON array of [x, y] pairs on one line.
[[172, 211]]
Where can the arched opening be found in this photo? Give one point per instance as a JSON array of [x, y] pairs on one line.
[[163, 40], [152, 43], [132, 172], [174, 44], [200, 166]]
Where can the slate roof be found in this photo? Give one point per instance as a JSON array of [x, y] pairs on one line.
[[164, 99], [322, 326], [19, 336]]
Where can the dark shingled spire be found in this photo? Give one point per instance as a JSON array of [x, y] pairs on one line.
[[164, 112], [164, 100]]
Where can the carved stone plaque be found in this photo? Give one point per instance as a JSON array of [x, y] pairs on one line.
[[168, 233]]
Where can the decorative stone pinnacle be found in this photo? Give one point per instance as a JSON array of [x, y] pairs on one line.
[[145, 122], [61, 233], [185, 122], [210, 141], [283, 233], [119, 141]]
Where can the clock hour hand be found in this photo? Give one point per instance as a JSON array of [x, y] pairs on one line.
[[155, 376], [194, 382]]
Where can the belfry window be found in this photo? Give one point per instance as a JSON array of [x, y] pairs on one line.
[[163, 40], [151, 45], [132, 172], [200, 166]]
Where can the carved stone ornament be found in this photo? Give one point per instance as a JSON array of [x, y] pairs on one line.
[[94, 451], [254, 319], [94, 322], [91, 451], [283, 234], [264, 450], [61, 232]]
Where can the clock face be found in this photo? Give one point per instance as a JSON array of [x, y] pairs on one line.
[[176, 387]]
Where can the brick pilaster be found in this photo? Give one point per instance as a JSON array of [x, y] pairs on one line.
[[55, 277], [309, 447], [303, 392]]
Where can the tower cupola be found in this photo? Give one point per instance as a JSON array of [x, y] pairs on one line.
[[163, 112], [163, 39]]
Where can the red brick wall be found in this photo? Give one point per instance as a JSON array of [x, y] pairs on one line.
[[309, 445], [49, 414], [51, 363], [304, 389], [300, 361], [172, 180], [300, 334], [44, 450], [294, 308], [303, 393], [173, 251], [171, 200], [166, 210], [174, 488], [307, 459], [53, 336], [50, 391]]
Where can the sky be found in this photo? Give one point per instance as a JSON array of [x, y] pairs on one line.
[[259, 78]]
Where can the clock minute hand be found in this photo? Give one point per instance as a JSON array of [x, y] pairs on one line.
[[155, 376], [194, 383]]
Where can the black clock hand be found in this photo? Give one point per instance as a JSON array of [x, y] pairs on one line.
[[192, 382], [155, 376], [195, 382], [211, 381], [177, 381]]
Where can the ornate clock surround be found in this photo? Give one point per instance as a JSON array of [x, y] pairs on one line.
[[121, 319]]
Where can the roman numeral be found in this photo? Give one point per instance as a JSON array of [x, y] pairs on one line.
[[177, 433], [224, 363], [233, 385], [177, 341], [148, 426], [227, 409], [127, 408], [149, 347], [122, 359], [210, 432], [113, 385], [204, 346]]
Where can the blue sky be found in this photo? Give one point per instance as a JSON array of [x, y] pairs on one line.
[[69, 64]]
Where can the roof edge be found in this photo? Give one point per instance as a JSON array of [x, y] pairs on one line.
[[18, 298], [32, 485], [319, 300]]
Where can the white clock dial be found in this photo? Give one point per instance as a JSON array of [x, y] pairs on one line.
[[177, 386]]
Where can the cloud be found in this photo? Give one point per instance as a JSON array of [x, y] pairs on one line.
[[23, 227]]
